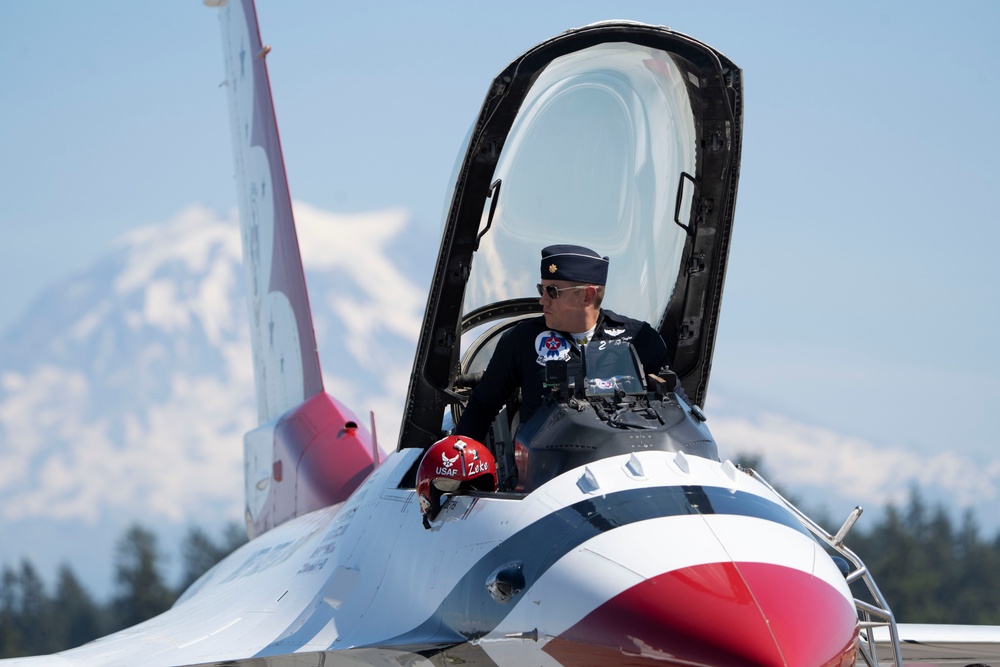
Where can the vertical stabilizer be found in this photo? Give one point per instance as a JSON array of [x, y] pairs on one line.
[[308, 450], [286, 365]]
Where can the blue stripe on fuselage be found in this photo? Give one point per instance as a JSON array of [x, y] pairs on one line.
[[469, 612]]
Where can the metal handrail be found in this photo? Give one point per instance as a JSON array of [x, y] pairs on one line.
[[870, 616]]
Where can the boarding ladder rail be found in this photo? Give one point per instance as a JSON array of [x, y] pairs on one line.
[[870, 616]]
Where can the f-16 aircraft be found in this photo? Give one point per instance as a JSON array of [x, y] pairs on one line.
[[604, 529]]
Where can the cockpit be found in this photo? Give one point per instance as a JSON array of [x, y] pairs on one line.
[[613, 408], [620, 137]]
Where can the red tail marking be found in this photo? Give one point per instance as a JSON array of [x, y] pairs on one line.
[[329, 453]]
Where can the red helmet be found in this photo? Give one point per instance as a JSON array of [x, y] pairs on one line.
[[451, 464]]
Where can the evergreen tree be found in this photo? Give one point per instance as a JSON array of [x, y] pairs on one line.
[[10, 635], [977, 582], [142, 592], [76, 617], [34, 608], [24, 612]]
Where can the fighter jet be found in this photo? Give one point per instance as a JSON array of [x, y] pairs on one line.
[[605, 528]]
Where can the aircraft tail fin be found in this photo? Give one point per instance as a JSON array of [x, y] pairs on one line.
[[309, 450], [286, 365]]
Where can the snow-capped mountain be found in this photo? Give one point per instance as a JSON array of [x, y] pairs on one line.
[[126, 389]]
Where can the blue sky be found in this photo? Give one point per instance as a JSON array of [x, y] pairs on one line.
[[862, 292]]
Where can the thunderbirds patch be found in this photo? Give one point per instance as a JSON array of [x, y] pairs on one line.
[[551, 347]]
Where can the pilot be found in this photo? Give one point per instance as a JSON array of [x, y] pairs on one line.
[[572, 285]]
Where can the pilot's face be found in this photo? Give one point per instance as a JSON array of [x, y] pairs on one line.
[[566, 312]]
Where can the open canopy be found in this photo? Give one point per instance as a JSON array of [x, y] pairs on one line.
[[618, 136]]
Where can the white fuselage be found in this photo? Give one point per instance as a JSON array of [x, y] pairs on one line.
[[368, 574]]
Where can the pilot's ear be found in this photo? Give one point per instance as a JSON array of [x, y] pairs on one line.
[[589, 294]]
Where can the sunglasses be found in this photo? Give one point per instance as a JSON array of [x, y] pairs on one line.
[[553, 292]]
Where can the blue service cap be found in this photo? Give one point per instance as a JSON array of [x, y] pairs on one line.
[[575, 264]]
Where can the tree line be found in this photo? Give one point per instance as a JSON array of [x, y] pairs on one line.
[[35, 619], [929, 568]]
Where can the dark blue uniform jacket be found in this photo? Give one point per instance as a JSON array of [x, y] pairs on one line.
[[519, 362]]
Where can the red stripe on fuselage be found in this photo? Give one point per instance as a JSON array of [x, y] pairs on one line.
[[717, 615]]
